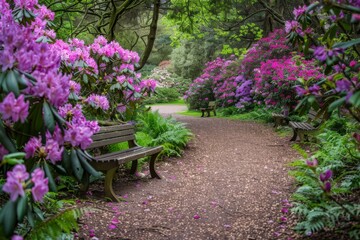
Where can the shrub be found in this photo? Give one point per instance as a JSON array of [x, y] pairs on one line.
[[163, 95]]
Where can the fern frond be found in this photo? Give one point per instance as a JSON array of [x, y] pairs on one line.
[[56, 225]]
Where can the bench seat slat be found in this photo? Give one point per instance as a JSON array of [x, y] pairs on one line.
[[301, 125], [105, 135], [131, 154]]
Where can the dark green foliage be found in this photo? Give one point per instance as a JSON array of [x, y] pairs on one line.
[[163, 95], [338, 209]]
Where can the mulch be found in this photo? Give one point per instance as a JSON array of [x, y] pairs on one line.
[[231, 183]]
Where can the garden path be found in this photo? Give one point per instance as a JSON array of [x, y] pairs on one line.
[[229, 184]]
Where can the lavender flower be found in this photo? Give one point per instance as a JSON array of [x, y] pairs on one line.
[[343, 85], [14, 181], [15, 109], [40, 185], [299, 11], [98, 101]]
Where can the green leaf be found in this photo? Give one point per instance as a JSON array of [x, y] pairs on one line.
[[355, 99], [11, 83], [8, 217], [66, 161], [21, 208], [336, 104], [312, 7], [39, 213], [5, 140], [75, 165], [50, 177], [48, 117], [347, 44], [84, 163], [30, 217], [85, 79]]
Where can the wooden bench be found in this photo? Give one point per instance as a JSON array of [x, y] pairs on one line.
[[280, 119], [304, 129], [211, 107], [109, 162]]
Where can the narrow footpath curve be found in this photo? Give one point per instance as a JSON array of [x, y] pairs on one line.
[[229, 184]]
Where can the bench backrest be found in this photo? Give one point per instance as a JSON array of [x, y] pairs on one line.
[[212, 104], [113, 134], [314, 116]]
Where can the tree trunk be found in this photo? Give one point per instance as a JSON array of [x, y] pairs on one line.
[[152, 35]]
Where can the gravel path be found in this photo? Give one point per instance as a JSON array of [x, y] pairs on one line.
[[229, 184]]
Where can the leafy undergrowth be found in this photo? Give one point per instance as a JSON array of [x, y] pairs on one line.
[[326, 200], [155, 130]]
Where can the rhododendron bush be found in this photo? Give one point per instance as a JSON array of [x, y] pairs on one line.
[[337, 49], [233, 80], [47, 88], [276, 80]]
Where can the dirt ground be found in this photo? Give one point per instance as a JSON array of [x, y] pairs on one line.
[[231, 183]]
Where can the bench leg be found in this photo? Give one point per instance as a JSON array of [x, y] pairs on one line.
[[109, 192], [208, 113], [214, 113], [294, 136], [202, 113], [153, 173], [85, 182], [134, 166]]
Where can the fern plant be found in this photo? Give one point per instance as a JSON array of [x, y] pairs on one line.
[[169, 133], [61, 225], [326, 202]]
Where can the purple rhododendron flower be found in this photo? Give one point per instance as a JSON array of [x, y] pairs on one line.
[[14, 181], [313, 163], [98, 101], [3, 152], [17, 237], [53, 151], [299, 11], [31, 146], [196, 216], [343, 85], [326, 175], [327, 187], [40, 185], [320, 53], [15, 109]]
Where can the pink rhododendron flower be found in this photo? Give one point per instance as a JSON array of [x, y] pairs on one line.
[[14, 109], [14, 181], [98, 101], [40, 185]]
